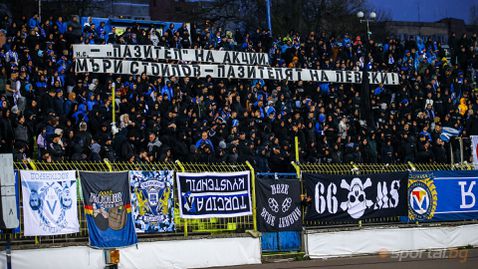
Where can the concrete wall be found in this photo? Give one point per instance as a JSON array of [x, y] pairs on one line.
[[177, 254], [382, 240]]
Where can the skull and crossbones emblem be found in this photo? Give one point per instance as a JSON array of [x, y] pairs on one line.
[[357, 199]]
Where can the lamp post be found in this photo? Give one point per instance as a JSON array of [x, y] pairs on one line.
[[366, 113], [371, 17]]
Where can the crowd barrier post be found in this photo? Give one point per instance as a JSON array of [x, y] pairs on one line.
[[108, 164], [253, 194], [113, 106], [297, 172], [460, 139], [452, 155], [412, 166], [296, 146], [181, 166]]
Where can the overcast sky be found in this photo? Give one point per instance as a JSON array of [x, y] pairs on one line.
[[430, 10]]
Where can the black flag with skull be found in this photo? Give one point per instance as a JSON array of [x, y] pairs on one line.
[[355, 197]]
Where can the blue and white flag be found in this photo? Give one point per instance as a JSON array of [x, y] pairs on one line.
[[152, 201], [448, 132], [442, 196], [49, 202]]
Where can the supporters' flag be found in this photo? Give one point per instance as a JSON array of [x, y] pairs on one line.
[[474, 150], [442, 196], [152, 201], [354, 197], [447, 133], [214, 195], [49, 202], [108, 209], [278, 204]]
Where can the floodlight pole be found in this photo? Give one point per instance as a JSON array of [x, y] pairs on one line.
[[365, 112], [268, 10], [39, 10]]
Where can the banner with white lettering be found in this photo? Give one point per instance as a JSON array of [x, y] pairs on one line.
[[49, 202], [442, 196], [152, 53], [354, 197], [214, 195], [116, 66], [278, 204]]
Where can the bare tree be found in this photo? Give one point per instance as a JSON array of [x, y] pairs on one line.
[[230, 14], [300, 15]]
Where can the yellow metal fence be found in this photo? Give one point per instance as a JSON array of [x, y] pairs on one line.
[[183, 226], [210, 225]]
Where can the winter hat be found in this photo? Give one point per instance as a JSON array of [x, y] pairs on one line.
[[222, 144], [58, 131], [96, 148]]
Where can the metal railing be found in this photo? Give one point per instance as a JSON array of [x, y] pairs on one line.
[[352, 168], [185, 227]]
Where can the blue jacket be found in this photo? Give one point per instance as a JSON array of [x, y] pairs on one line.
[[167, 90], [32, 23], [207, 142], [62, 26]]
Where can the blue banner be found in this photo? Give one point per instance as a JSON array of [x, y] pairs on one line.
[[443, 196], [108, 209], [214, 195], [152, 201]]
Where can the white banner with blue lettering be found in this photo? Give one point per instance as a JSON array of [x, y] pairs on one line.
[[49, 202]]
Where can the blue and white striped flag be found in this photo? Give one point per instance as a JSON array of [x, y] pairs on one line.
[[447, 133]]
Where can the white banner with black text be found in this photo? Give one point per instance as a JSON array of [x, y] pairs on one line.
[[153, 53], [127, 67]]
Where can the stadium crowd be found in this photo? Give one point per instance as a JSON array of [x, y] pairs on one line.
[[51, 113]]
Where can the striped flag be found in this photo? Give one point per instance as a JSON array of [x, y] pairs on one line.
[[447, 133]]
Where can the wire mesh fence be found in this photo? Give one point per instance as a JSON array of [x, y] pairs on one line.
[[209, 225]]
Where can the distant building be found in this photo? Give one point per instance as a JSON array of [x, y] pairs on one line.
[[128, 9], [179, 10], [169, 10], [437, 30], [131, 9]]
